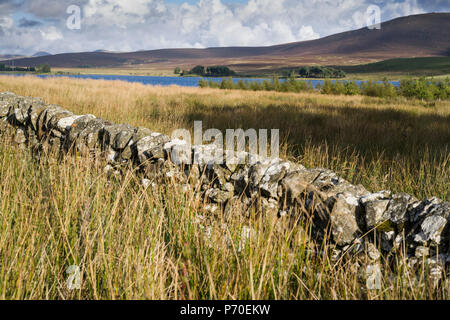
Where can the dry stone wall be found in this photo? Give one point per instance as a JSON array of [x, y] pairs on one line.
[[347, 215]]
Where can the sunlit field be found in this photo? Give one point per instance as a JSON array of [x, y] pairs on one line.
[[163, 243], [396, 144]]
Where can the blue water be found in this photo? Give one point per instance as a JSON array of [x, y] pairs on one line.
[[179, 81]]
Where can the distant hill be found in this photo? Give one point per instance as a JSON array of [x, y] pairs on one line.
[[105, 51], [10, 56], [424, 35], [41, 54]]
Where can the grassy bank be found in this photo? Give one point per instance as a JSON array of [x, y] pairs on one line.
[[431, 66], [414, 88], [396, 144], [391, 69]]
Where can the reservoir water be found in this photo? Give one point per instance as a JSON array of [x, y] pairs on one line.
[[167, 81]]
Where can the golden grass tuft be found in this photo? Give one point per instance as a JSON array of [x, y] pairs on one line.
[[161, 243]]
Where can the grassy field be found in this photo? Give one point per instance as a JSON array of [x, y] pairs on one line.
[[396, 144], [413, 66], [161, 243], [132, 71], [392, 69], [400, 68], [132, 243]]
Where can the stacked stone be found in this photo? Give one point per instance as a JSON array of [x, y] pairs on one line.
[[349, 216]]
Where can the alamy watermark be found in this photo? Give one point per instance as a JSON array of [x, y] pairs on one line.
[[373, 17], [73, 281], [373, 273], [235, 147], [73, 22]]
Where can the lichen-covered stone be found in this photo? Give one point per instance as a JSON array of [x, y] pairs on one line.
[[178, 151], [398, 206], [219, 196], [64, 124], [429, 207], [233, 160], [20, 136], [431, 230], [269, 183], [240, 180], [151, 147], [92, 133], [44, 116], [376, 213], [293, 185], [217, 175], [117, 136], [371, 251], [76, 129], [4, 109], [344, 226], [35, 112], [141, 132], [208, 157], [326, 179], [387, 240], [52, 123], [21, 111]]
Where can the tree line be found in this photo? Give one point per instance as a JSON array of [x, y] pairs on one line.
[[202, 71], [44, 68], [317, 72]]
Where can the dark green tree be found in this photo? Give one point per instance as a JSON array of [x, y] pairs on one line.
[[44, 68], [198, 70], [219, 71]]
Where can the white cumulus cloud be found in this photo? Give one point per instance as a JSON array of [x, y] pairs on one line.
[[307, 33], [129, 25], [51, 34]]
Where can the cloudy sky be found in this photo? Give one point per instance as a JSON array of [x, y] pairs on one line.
[[28, 26]]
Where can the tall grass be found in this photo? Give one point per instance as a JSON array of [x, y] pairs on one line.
[[160, 243], [399, 144], [163, 243]]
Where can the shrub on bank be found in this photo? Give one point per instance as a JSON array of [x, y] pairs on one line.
[[376, 89], [415, 88], [425, 89]]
